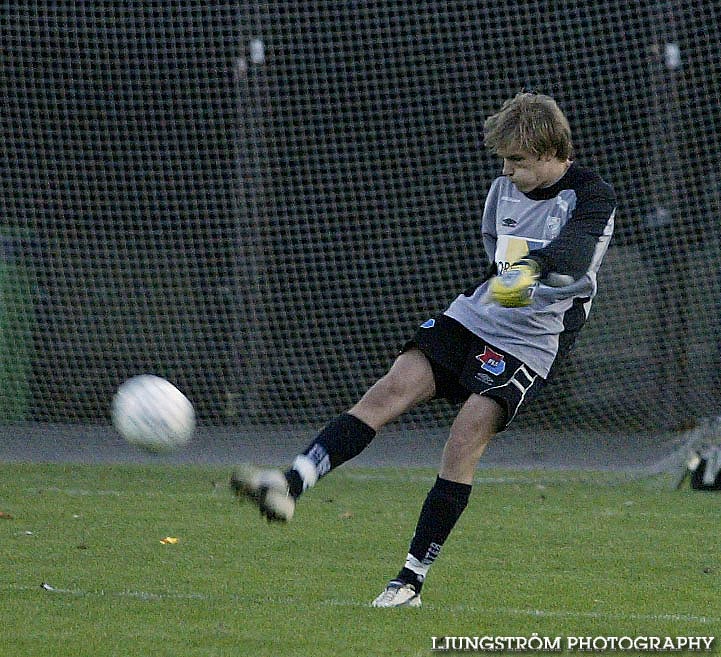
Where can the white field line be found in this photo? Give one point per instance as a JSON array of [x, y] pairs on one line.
[[210, 491], [399, 476], [284, 602], [76, 492], [558, 477], [216, 489], [555, 613]]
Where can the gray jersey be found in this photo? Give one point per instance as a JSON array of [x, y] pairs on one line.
[[566, 228]]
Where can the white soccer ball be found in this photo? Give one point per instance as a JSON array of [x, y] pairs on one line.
[[151, 413]]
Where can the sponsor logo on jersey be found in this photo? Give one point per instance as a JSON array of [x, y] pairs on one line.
[[429, 323], [553, 227], [510, 199], [492, 361], [509, 222]]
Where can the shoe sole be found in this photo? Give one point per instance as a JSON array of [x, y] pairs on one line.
[[413, 603]]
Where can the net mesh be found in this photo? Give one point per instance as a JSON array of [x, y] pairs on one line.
[[260, 201]]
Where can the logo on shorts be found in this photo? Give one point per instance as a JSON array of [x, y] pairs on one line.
[[429, 323], [492, 362], [484, 378]]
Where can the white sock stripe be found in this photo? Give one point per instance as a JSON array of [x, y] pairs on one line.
[[318, 456], [306, 469], [418, 567]]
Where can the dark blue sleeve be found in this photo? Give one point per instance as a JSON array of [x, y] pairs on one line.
[[571, 253]]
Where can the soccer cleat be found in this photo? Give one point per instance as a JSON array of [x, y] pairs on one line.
[[398, 594], [267, 489]]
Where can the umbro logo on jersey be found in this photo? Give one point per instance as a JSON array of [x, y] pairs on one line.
[[509, 222]]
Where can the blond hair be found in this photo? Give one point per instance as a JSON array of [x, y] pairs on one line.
[[532, 123]]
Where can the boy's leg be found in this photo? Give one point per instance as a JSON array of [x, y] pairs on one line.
[[408, 382], [477, 421]]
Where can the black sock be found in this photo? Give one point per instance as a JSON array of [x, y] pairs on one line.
[[442, 508], [295, 482], [341, 439]]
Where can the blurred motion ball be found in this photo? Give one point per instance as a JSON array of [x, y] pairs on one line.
[[151, 413]]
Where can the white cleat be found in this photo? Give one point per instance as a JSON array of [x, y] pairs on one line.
[[267, 489], [398, 594]]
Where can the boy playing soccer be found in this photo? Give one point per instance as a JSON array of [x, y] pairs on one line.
[[546, 226]]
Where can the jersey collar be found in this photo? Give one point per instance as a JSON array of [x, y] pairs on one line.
[[545, 193]]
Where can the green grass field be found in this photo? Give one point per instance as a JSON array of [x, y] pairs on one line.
[[534, 553]]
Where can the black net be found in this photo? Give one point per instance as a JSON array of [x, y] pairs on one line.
[[260, 201]]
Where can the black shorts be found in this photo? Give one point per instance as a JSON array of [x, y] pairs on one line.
[[464, 364]]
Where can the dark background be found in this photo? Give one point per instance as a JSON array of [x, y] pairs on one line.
[[266, 232]]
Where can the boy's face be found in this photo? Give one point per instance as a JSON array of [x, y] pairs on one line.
[[528, 171]]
